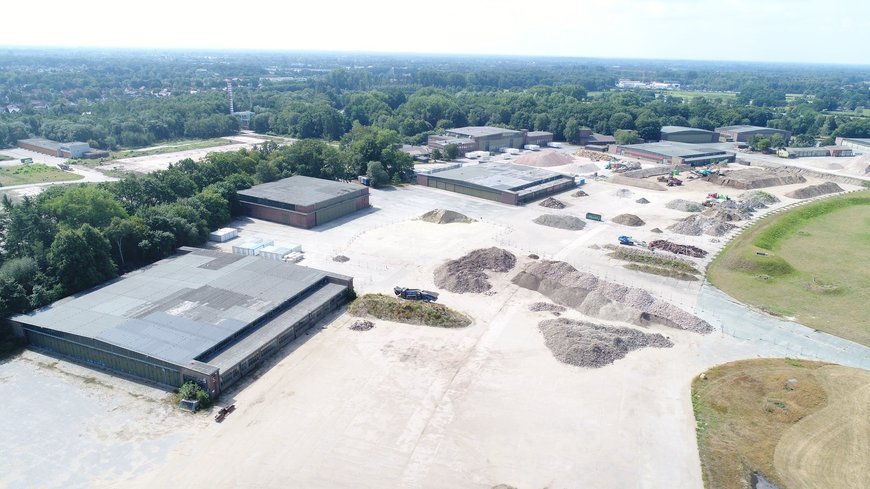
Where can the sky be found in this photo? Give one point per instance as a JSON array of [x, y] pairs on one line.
[[809, 31]]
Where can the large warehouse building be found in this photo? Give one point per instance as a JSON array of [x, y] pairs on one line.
[[303, 202], [509, 184], [486, 138], [61, 150], [674, 153], [858, 145], [742, 134], [693, 135], [199, 315]]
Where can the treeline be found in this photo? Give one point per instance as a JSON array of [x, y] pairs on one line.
[[70, 238]]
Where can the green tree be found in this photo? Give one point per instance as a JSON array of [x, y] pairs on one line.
[[377, 175], [451, 151], [436, 155], [124, 235], [80, 258], [626, 137], [84, 204]]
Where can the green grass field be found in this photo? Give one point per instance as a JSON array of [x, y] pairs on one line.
[[689, 94], [815, 268], [170, 147], [34, 173], [6, 158]]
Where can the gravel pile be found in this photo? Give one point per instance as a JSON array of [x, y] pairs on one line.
[[552, 203], [546, 307], [545, 159], [757, 199], [567, 286], [362, 325], [722, 214], [756, 178], [697, 225], [466, 274], [642, 200], [571, 223], [656, 230], [340, 258], [624, 193], [684, 205], [593, 346], [595, 155], [579, 193], [814, 191], [679, 249], [628, 220], [444, 216]]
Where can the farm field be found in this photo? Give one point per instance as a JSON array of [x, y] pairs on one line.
[[798, 424], [809, 275], [34, 173]]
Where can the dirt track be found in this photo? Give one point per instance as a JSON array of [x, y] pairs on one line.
[[829, 448]]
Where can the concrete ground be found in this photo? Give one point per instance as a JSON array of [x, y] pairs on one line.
[[410, 406]]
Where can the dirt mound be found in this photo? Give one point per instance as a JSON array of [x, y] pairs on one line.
[[624, 193], [444, 216], [546, 307], [567, 286], [756, 178], [814, 191], [545, 159], [642, 200], [684, 205], [340, 258], [388, 308], [466, 274], [579, 193], [587, 168], [656, 230], [628, 220], [570, 223], [696, 225], [679, 249], [362, 325], [552, 203], [593, 346]]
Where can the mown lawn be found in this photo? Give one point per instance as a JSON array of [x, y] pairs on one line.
[[34, 173]]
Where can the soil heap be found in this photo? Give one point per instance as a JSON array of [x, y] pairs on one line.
[[593, 346], [642, 200], [814, 191], [571, 223], [679, 249], [756, 178], [444, 216], [628, 220], [546, 307], [696, 225], [552, 203], [567, 286], [340, 258], [467, 274], [684, 205]]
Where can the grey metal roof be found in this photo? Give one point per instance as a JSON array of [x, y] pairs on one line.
[[679, 129], [481, 131], [498, 176], [301, 190], [535, 134], [180, 307], [746, 128], [674, 148], [42, 143]]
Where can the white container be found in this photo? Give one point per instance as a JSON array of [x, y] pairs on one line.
[[223, 235], [251, 247]]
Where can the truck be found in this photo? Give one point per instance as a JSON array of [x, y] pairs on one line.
[[629, 241], [415, 294]]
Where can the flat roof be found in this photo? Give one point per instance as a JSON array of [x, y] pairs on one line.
[[858, 140], [42, 142], [745, 128], [674, 148], [181, 307], [538, 133], [677, 129], [481, 131], [302, 191], [498, 176]]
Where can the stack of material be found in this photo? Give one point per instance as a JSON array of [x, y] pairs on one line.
[[814, 191], [642, 200], [593, 346], [580, 193], [545, 159], [696, 225], [757, 199], [679, 249], [546, 307], [684, 205], [570, 223], [444, 216], [552, 203], [756, 178], [466, 274], [362, 325], [340, 258], [628, 220], [565, 285]]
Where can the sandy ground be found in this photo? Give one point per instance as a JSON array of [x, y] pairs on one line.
[[829, 448], [410, 406]]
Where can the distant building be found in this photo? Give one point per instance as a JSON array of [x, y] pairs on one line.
[[675, 153], [682, 134], [505, 183], [585, 137], [834, 151], [303, 202], [856, 144], [745, 133], [486, 138], [61, 150], [540, 138], [244, 118], [642, 85], [418, 153]]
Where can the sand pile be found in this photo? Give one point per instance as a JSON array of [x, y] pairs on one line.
[[620, 179], [444, 216], [593, 346], [466, 274], [587, 168], [756, 178], [684, 205], [570, 223], [628, 220], [552, 203], [679, 249], [546, 307], [340, 258], [545, 159], [642, 200], [362, 325], [815, 191], [567, 286], [696, 225]]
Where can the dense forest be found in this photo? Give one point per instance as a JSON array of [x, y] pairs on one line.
[[134, 99]]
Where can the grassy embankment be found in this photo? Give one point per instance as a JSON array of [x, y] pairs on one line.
[[170, 147], [388, 308], [34, 173], [653, 263], [808, 264], [775, 417], [5, 158]]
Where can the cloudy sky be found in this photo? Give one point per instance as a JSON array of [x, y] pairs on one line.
[[815, 31]]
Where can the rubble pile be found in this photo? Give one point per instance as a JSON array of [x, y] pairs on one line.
[[590, 345], [552, 203], [571, 223], [628, 220], [466, 274], [815, 191], [444, 216], [678, 249]]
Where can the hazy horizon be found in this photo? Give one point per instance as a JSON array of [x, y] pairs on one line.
[[773, 31]]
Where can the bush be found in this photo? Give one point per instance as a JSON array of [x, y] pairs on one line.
[[194, 392]]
